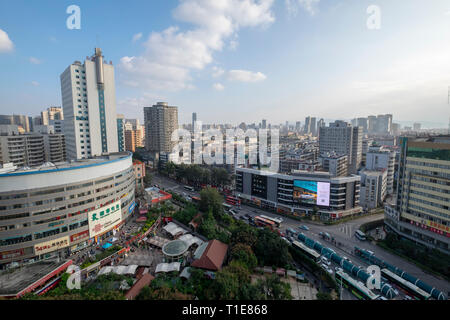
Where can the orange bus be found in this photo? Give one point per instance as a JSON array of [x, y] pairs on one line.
[[262, 222]]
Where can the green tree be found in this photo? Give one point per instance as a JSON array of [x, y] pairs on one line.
[[243, 253], [270, 249], [274, 288], [210, 199]]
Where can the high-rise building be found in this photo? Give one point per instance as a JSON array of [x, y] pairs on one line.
[[371, 124], [121, 132], [379, 158], [264, 124], [307, 128], [363, 123], [89, 104], [298, 126], [20, 120], [194, 120], [396, 129], [384, 124], [161, 120], [52, 113], [313, 126], [343, 139], [31, 149], [373, 188], [422, 212]]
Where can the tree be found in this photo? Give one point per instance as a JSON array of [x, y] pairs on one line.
[[274, 288], [242, 233], [244, 254], [270, 249], [210, 199]]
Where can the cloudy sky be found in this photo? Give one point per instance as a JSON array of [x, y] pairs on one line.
[[237, 60]]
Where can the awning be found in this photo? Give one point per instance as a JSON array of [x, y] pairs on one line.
[[107, 245]]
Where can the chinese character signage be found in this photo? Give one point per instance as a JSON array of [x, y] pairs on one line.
[[104, 219], [51, 245]]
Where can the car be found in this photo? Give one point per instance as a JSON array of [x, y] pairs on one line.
[[304, 227], [371, 252], [247, 215], [407, 298], [329, 270], [286, 240], [324, 266], [338, 269], [395, 291], [233, 212]]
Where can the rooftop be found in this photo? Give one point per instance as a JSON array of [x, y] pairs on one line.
[[175, 248], [212, 257], [13, 283], [68, 165]]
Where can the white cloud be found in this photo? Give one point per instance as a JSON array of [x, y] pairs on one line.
[[309, 6], [34, 60], [6, 45], [217, 72], [218, 86], [137, 36], [35, 83], [171, 55], [245, 76]]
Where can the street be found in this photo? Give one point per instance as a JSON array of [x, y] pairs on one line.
[[343, 233]]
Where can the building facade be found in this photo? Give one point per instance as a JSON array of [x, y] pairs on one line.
[[32, 149], [300, 193], [379, 158], [341, 138], [373, 188], [53, 212], [422, 211], [121, 132], [89, 104], [161, 120]]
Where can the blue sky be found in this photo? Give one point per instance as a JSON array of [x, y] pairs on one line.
[[237, 60]]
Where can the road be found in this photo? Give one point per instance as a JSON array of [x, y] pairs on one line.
[[343, 233]]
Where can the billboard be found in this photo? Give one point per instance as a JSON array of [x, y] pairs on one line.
[[312, 192], [51, 245], [104, 219]]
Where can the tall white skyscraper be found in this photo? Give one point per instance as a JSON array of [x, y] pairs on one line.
[[89, 105]]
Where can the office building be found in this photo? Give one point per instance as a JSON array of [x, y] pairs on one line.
[[381, 158], [194, 120], [335, 164], [301, 193], [422, 211], [89, 104], [343, 139], [121, 132], [161, 120], [19, 120], [53, 212], [52, 113], [373, 188], [33, 149]]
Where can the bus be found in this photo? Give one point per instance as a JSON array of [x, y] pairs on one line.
[[409, 287], [233, 201], [189, 188], [262, 222], [357, 288], [195, 199], [310, 253], [227, 207], [360, 235], [277, 221]]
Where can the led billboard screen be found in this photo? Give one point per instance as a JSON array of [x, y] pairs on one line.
[[312, 192]]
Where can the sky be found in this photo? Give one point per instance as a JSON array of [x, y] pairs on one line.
[[234, 61]]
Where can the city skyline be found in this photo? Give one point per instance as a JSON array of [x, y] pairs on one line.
[[399, 69]]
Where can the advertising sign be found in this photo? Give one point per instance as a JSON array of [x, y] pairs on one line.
[[51, 245], [11, 254], [104, 219], [312, 192], [79, 236]]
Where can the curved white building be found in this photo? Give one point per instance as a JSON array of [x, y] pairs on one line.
[[56, 209]]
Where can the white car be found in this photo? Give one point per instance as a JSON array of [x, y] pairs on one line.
[[329, 271]]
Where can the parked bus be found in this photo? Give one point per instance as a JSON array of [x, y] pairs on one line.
[[360, 235], [195, 199], [357, 288], [310, 253], [233, 201], [189, 188], [227, 207], [277, 221], [409, 287], [262, 222]]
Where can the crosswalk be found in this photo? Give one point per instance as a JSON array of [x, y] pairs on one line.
[[346, 229]]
